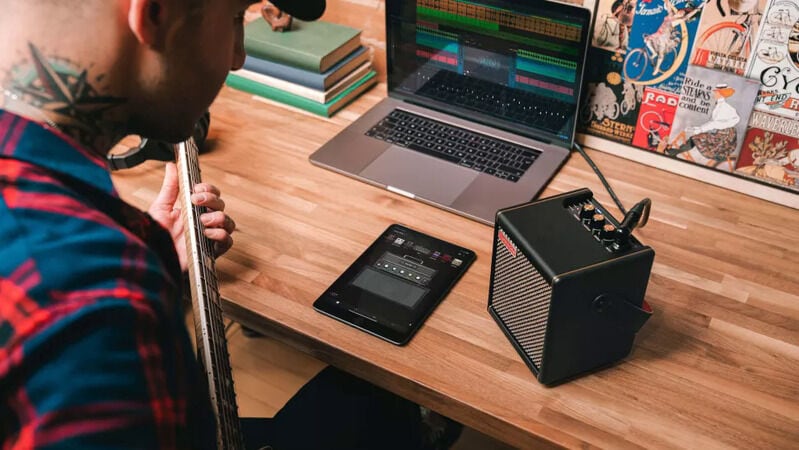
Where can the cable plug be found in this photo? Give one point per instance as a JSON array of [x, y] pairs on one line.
[[636, 217]]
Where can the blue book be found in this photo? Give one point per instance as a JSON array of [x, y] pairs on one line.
[[320, 81]]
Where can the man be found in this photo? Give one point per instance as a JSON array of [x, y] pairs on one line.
[[93, 349]]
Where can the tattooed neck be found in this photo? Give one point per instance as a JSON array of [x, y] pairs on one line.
[[60, 94]]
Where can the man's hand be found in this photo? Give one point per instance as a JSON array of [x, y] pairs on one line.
[[218, 226]]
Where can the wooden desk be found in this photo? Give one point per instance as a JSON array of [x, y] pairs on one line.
[[717, 365]]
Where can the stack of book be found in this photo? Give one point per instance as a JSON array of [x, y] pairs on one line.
[[317, 66]]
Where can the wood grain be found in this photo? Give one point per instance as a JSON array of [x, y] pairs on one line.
[[716, 367]]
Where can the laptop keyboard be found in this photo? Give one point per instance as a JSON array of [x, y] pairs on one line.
[[476, 151], [526, 108]]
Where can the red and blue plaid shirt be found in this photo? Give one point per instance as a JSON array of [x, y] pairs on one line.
[[94, 352]]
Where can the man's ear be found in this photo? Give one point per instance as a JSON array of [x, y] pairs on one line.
[[149, 21]]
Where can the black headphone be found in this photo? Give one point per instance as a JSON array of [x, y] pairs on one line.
[[149, 149]]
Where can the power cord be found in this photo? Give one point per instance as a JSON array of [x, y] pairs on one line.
[[637, 216]]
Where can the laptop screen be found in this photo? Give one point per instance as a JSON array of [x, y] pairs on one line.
[[514, 65]]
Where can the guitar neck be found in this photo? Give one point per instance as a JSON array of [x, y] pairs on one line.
[[206, 305]]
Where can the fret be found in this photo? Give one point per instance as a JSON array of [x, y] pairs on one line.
[[206, 304]]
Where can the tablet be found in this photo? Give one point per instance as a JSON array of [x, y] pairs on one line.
[[395, 284]]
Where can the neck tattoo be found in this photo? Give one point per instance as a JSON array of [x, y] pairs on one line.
[[60, 95], [15, 103]]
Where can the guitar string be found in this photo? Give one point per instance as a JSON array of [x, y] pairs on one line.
[[225, 391]]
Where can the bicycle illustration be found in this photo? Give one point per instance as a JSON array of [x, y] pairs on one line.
[[640, 61], [608, 31], [730, 42], [771, 54], [600, 103], [631, 95], [664, 50], [775, 34], [781, 16], [658, 130]]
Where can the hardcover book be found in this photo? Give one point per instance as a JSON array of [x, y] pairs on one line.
[[304, 91], [315, 46], [280, 96], [319, 81]]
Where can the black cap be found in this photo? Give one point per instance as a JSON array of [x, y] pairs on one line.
[[301, 9]]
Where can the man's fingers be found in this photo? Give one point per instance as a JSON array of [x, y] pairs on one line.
[[168, 194], [207, 187], [222, 240], [209, 200], [218, 219]]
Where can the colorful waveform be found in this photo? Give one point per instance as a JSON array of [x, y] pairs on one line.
[[546, 85], [442, 57], [547, 69], [491, 18], [437, 46]]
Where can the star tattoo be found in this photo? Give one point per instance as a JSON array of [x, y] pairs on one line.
[[65, 96]]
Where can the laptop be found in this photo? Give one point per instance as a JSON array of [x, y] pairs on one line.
[[482, 103]]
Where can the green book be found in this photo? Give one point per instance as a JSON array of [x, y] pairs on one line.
[[322, 109], [313, 46]]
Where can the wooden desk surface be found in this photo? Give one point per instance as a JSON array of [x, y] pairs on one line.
[[716, 366]]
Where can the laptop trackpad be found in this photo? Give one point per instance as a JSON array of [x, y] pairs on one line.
[[424, 176]]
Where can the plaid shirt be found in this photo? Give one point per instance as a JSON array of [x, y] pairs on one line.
[[94, 352]]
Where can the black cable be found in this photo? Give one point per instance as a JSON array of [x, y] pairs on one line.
[[601, 178]]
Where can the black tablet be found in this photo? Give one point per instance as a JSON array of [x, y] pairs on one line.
[[395, 284]]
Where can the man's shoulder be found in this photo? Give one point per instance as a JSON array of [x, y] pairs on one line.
[[63, 244]]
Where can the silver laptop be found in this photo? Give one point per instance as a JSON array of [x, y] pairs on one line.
[[482, 103]]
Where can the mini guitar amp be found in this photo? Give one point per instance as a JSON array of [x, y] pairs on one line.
[[568, 284]]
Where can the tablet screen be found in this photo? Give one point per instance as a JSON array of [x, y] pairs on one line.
[[396, 283]]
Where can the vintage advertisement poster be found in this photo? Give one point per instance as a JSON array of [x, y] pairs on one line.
[[612, 24], [710, 121], [610, 105], [774, 62], [660, 42], [655, 118], [770, 151], [726, 34]]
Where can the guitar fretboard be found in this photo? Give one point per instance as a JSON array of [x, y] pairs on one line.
[[209, 326]]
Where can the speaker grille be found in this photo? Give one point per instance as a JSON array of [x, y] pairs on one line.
[[520, 297]]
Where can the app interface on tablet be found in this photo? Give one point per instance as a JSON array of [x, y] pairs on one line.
[[397, 282]]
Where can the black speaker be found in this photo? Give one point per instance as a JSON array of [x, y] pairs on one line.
[[567, 285]]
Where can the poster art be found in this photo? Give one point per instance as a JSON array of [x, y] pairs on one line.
[[770, 150], [612, 26], [660, 41], [710, 121], [775, 62], [674, 82], [726, 34], [655, 117], [610, 104]]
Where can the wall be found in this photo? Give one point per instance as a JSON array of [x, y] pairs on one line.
[[708, 90]]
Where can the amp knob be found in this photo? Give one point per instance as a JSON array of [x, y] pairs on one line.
[[597, 221], [587, 212]]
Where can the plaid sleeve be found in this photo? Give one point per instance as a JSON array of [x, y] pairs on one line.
[[105, 386], [93, 349]]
